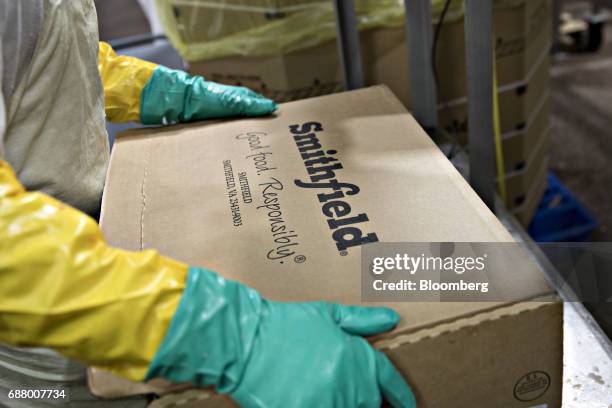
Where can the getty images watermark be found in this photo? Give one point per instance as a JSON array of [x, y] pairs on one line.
[[413, 265], [480, 272]]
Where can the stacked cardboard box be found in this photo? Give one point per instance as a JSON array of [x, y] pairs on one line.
[[523, 41], [522, 33]]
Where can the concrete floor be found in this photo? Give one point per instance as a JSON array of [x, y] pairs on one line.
[[581, 137]]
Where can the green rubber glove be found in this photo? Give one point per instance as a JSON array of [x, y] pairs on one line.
[[171, 96], [272, 354]]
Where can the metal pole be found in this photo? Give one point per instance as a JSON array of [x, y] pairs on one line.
[[556, 24], [348, 43], [479, 58], [419, 39]]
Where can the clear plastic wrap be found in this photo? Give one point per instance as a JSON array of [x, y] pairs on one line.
[[205, 29], [209, 29]]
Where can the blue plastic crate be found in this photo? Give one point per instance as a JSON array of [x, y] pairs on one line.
[[560, 216]]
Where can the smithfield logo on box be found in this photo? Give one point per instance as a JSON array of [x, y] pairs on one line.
[[321, 166]]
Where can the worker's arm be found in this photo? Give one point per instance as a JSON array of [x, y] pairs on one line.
[[140, 91], [62, 287], [142, 316]]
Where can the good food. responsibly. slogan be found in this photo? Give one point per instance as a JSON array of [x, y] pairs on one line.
[[321, 167]]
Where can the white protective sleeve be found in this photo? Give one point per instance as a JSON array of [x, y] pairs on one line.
[[20, 23]]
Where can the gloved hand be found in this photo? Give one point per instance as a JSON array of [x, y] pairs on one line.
[[173, 96], [138, 90], [272, 354]]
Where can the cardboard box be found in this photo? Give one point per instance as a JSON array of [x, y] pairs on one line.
[[520, 182], [283, 78], [518, 145], [172, 189], [518, 102], [522, 39], [525, 212]]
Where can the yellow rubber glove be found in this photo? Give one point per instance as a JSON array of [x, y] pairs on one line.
[[62, 287]]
